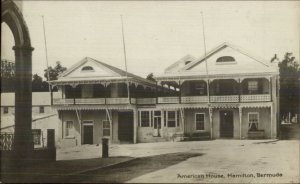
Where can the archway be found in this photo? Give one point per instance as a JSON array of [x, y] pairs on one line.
[[12, 16]]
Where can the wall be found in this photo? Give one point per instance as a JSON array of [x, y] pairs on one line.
[[264, 121], [190, 126], [97, 116]]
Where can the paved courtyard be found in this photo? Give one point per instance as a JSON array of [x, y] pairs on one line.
[[218, 161]]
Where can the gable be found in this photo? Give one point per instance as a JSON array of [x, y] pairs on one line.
[[90, 68], [180, 63], [229, 60]]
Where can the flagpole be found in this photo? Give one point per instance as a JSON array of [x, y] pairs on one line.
[[125, 58], [46, 51], [207, 76]]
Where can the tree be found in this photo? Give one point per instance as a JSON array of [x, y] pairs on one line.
[[38, 85], [7, 76], [289, 72], [54, 72], [150, 77]]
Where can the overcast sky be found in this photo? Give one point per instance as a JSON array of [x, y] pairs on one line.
[[156, 33]]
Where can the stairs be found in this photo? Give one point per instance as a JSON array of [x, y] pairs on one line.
[[199, 136], [290, 132]]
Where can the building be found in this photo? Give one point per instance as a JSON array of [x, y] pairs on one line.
[[236, 97], [43, 117]]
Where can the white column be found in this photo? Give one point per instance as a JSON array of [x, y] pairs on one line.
[[240, 116], [135, 122], [210, 121]]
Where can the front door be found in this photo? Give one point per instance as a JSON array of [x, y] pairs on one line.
[[125, 126], [226, 124], [157, 127], [88, 134]]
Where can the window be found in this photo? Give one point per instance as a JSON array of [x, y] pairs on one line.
[[42, 110], [87, 68], [69, 129], [225, 59], [145, 119], [171, 118], [187, 62], [5, 110], [106, 128], [36, 133], [253, 121], [199, 120], [252, 87], [199, 88]]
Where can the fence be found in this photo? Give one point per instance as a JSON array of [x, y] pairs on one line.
[[6, 141]]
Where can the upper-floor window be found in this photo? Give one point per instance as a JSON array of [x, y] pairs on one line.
[[225, 59], [187, 62], [5, 110], [87, 68], [199, 89], [252, 87]]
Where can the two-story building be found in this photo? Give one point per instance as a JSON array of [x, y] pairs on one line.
[[225, 94]]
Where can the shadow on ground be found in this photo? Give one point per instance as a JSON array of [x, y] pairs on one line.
[[49, 172], [126, 171]]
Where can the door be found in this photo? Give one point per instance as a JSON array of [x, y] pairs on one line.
[[88, 134], [125, 126], [226, 124], [157, 127]]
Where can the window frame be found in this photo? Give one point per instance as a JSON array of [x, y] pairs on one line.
[[141, 124], [175, 118], [200, 113], [249, 87], [39, 133], [105, 128], [249, 125], [5, 110], [90, 69], [69, 131], [41, 109]]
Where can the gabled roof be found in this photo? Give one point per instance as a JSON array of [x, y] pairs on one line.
[[102, 71], [220, 47], [180, 63], [242, 63]]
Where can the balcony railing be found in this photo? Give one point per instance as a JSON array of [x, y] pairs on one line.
[[117, 100], [229, 98], [146, 101], [90, 101], [255, 98], [194, 99], [168, 100], [63, 101]]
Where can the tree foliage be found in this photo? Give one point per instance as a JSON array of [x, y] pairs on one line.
[[150, 77], [289, 85], [54, 72]]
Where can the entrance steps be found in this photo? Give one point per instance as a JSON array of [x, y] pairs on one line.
[[198, 136]]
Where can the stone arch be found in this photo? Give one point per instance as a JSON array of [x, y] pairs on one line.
[[12, 16]]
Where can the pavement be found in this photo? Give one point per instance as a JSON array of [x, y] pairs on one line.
[[217, 161], [225, 161]]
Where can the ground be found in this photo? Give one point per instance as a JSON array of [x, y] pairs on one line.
[[217, 161]]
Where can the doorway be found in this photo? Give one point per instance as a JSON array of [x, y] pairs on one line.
[[157, 124], [88, 130], [125, 126], [226, 124]]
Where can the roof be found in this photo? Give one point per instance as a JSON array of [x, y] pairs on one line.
[[9, 119], [244, 63], [101, 72], [38, 99]]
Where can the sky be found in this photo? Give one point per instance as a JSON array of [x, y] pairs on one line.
[[157, 33]]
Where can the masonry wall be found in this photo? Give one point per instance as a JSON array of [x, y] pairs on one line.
[[190, 125]]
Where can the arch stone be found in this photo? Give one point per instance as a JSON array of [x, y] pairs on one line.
[[12, 16]]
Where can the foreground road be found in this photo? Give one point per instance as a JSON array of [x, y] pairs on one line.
[[219, 161]]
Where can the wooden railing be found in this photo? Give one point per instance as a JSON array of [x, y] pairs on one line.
[[194, 99], [63, 101], [229, 98], [146, 100], [255, 98], [168, 100], [117, 100], [90, 101]]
